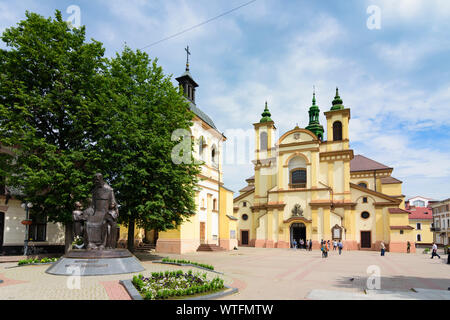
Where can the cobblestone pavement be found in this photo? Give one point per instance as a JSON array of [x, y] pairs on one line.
[[32, 283], [288, 274], [259, 274]]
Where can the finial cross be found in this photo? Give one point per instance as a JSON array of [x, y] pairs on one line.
[[188, 53]]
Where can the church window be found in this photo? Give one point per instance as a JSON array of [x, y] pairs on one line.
[[365, 215], [364, 199], [419, 226], [401, 231], [214, 155], [297, 173], [362, 184], [419, 203], [215, 204], [419, 237], [298, 178], [244, 204], [337, 131], [201, 147], [263, 142], [245, 217]]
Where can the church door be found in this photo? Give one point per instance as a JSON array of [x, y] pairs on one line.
[[202, 232], [366, 240], [298, 231], [2, 226], [244, 238]]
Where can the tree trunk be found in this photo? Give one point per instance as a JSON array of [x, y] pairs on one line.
[[131, 234], [68, 238]]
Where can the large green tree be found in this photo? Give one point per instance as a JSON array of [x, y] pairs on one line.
[[144, 109], [49, 80], [68, 113]]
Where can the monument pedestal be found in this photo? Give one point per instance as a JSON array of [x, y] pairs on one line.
[[96, 263]]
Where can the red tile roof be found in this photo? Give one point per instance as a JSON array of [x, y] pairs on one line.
[[361, 163], [420, 213]]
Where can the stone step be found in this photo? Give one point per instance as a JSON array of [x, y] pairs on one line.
[[210, 247]]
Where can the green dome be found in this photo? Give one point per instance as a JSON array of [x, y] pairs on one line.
[[314, 125], [338, 104], [266, 115]]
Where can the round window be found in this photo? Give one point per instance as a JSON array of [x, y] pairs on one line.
[[365, 215], [244, 217]]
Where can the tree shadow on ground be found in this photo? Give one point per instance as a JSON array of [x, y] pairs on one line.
[[145, 256], [394, 283]]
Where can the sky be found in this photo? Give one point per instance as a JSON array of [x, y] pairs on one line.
[[391, 64]]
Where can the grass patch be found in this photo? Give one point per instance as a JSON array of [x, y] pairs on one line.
[[206, 266], [175, 285]]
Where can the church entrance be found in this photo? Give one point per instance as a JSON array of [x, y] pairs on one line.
[[298, 231]]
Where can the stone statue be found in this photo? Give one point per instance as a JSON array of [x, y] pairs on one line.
[[100, 218], [78, 220]]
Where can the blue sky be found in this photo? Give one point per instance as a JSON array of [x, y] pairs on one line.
[[395, 80]]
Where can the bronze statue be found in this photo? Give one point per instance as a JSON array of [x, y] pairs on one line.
[[100, 218]]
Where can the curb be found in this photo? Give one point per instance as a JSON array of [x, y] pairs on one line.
[[135, 295], [187, 265], [31, 264]]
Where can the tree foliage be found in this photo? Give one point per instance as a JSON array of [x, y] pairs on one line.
[[68, 113]]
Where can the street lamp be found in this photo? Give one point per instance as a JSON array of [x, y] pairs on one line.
[[26, 222]]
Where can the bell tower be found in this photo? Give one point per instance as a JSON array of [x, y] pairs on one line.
[[314, 125], [186, 81], [337, 124], [265, 155]]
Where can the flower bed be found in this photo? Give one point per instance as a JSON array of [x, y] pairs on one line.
[[37, 261], [206, 266], [175, 284]]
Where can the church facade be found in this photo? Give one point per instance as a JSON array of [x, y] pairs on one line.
[[309, 184]]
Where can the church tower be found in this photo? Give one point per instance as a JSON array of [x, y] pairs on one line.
[[264, 153], [337, 125], [314, 124]]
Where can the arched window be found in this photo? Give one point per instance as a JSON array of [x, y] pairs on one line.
[[201, 147], [419, 238], [263, 141], [337, 131], [215, 204], [214, 155], [297, 172], [362, 184]]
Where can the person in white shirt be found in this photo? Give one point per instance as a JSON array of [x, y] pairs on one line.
[[434, 251]]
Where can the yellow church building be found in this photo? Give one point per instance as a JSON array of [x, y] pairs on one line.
[[310, 186]]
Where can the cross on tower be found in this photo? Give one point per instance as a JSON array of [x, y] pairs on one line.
[[188, 53]]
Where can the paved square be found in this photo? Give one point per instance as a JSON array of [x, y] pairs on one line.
[[279, 274]]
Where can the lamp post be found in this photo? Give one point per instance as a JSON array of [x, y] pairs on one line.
[[26, 206]]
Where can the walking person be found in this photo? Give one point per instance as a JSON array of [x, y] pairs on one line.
[[334, 245], [340, 246], [434, 251], [383, 248], [408, 247], [310, 244], [294, 244]]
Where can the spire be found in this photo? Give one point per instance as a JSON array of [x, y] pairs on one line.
[[186, 81], [337, 102], [266, 115], [314, 125]]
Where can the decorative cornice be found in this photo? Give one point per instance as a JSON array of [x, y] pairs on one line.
[[242, 196], [401, 228], [345, 112], [300, 219]]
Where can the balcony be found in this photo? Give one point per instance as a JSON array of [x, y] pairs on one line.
[[435, 229]]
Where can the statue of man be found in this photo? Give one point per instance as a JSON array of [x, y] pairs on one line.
[[98, 217]]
